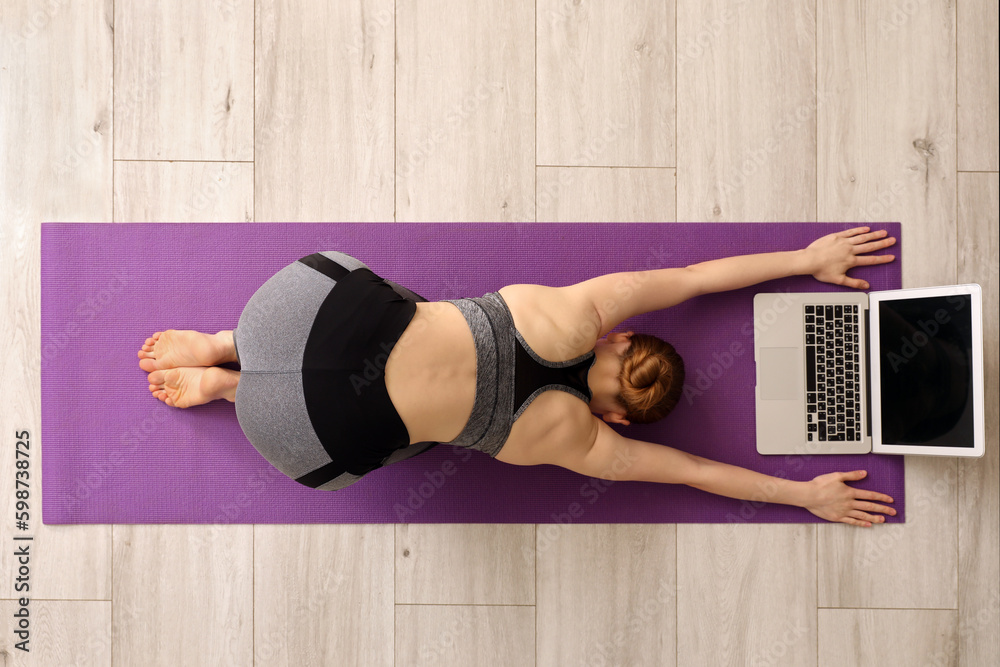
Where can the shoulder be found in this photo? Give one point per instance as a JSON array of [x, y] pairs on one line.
[[557, 322], [555, 427]]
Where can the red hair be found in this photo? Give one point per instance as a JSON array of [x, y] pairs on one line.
[[651, 379]]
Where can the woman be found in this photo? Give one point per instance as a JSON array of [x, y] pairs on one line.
[[343, 372]]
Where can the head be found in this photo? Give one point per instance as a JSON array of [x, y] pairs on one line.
[[639, 378]]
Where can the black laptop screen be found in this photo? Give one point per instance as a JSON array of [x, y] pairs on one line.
[[926, 371]]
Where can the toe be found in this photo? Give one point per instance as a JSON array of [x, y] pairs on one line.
[[147, 364], [156, 377]]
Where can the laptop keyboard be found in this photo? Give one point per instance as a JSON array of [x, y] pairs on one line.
[[833, 400]]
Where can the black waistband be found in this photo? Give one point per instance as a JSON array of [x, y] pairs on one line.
[[343, 371]]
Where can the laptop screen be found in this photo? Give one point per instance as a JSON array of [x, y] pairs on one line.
[[925, 348]]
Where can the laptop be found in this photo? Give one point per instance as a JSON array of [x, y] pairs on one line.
[[891, 372]]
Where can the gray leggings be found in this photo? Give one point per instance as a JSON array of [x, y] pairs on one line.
[[270, 340]]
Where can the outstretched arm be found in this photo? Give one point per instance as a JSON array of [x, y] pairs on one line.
[[612, 456], [615, 297]]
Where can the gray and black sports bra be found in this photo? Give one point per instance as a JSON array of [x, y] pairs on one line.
[[509, 374]]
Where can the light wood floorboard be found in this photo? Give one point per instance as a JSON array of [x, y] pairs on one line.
[[324, 101], [323, 595], [63, 632], [183, 191], [457, 636], [887, 136], [56, 122], [465, 103], [55, 164], [605, 83], [183, 594], [979, 479], [465, 564], [605, 194], [887, 152], [184, 80], [978, 84], [746, 594], [875, 637], [606, 594], [746, 130]]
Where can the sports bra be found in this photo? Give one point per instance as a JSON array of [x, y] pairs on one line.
[[509, 374], [534, 375]]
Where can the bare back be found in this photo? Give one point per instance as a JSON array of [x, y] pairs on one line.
[[431, 373]]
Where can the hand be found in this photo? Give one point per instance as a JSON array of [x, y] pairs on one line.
[[829, 257], [828, 497]]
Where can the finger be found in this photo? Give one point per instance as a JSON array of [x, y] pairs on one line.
[[868, 260], [867, 518], [854, 474], [847, 233], [873, 495], [870, 236], [872, 507], [855, 522], [856, 283], [873, 246]]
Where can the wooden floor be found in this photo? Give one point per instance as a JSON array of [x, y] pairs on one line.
[[508, 110]]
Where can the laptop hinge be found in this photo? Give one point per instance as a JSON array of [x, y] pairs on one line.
[[868, 377]]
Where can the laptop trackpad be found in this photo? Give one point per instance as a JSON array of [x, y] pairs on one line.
[[778, 373]]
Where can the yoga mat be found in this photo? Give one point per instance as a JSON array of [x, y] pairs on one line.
[[112, 453]]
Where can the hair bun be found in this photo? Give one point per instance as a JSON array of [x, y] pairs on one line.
[[646, 370], [652, 378]]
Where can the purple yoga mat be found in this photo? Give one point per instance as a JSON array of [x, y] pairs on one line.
[[112, 453]]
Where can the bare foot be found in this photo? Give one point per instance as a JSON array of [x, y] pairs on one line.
[[186, 386], [174, 348]]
